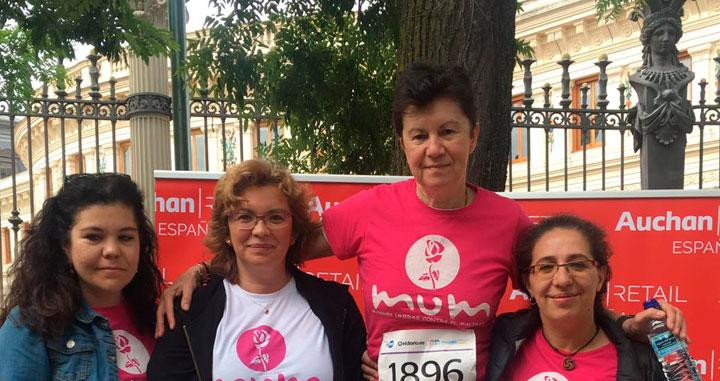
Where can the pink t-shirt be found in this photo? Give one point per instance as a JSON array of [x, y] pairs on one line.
[[133, 349], [427, 268], [537, 361]]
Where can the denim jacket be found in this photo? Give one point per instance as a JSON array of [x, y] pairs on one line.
[[86, 351]]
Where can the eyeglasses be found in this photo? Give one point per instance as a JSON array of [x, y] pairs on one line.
[[548, 269], [246, 220]]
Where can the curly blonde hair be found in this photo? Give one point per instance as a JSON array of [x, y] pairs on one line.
[[228, 195]]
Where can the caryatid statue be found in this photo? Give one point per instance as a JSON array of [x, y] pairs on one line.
[[664, 115]]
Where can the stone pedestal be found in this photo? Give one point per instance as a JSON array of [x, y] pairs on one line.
[[662, 166]]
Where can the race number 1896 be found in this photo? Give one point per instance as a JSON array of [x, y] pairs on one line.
[[427, 355], [429, 370]]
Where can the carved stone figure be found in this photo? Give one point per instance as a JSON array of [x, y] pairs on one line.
[[664, 115]]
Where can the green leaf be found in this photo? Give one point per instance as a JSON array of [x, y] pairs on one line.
[[608, 10], [45, 30], [523, 50]]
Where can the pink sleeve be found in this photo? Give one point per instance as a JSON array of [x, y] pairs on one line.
[[344, 224], [522, 224]]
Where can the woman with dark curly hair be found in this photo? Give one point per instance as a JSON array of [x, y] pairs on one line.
[[258, 316], [81, 305], [567, 333]]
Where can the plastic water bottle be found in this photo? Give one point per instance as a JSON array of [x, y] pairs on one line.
[[672, 352]]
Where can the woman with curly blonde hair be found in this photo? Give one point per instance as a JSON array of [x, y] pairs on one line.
[[258, 316]]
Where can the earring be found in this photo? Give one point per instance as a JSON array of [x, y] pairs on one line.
[[533, 302], [227, 241]]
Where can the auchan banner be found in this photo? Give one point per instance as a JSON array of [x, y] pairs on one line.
[[666, 244]]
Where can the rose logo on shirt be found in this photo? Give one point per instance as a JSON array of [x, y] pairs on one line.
[[261, 339], [261, 348], [548, 376], [433, 254], [432, 262], [132, 356]]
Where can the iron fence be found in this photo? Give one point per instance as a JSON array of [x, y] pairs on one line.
[[65, 126], [53, 134], [599, 121], [208, 109]]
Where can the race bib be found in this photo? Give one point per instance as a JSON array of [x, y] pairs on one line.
[[427, 354]]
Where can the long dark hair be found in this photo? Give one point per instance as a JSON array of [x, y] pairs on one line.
[[46, 289]]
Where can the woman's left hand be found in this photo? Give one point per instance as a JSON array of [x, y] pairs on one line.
[[639, 326]]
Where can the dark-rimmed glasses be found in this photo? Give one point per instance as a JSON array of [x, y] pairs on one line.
[[247, 220], [548, 269]]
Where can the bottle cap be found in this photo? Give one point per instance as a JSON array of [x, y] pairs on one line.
[[652, 303]]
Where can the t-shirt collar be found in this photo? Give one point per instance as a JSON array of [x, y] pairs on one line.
[[413, 186], [86, 314]]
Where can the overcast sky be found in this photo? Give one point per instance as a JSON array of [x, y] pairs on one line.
[[198, 9]]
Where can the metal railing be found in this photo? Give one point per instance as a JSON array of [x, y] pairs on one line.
[[557, 172], [56, 131], [209, 109], [53, 134]]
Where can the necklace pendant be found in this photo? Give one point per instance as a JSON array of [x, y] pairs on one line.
[[568, 363], [267, 310]]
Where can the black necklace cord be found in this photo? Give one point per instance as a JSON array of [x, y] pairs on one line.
[[569, 363]]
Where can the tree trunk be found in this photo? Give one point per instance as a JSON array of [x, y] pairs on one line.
[[480, 36]]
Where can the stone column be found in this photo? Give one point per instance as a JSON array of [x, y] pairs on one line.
[[148, 108]]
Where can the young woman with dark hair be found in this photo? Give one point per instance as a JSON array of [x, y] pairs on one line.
[[82, 300]]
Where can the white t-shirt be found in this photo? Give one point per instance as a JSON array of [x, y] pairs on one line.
[[275, 336]]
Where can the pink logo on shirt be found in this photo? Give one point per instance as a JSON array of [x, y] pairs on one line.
[[548, 376], [132, 356], [261, 348], [433, 254], [432, 262]]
